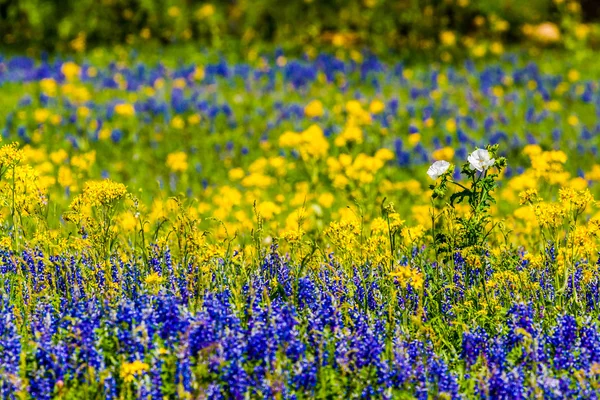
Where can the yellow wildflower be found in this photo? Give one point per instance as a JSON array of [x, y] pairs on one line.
[[125, 109], [103, 193], [445, 153], [177, 162], [130, 370], [407, 275], [153, 279], [70, 70], [376, 106], [314, 109]]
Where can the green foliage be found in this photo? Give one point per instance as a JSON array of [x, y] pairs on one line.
[[380, 25]]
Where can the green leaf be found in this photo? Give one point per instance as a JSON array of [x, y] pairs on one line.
[[459, 197]]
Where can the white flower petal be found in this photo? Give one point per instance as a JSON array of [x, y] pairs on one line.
[[480, 160], [438, 169]]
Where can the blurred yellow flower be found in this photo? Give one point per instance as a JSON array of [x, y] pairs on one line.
[[385, 154], [376, 106], [582, 31], [448, 38], [177, 161], [236, 174], [48, 86], [268, 209], [206, 11], [314, 109], [127, 222], [445, 153], [573, 75], [153, 279], [573, 120], [41, 115], [58, 156], [546, 33], [497, 48], [311, 143], [199, 73], [414, 139], [145, 33], [70, 70], [65, 176], [174, 12], [125, 109], [177, 122]]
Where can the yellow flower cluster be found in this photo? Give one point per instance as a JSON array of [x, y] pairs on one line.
[[529, 196], [581, 241], [311, 143], [130, 370], [125, 109], [549, 215], [445, 153], [177, 162], [103, 193], [314, 109], [575, 201], [344, 236], [352, 133], [345, 170], [70, 70], [48, 87], [24, 193], [547, 165], [511, 282], [407, 275], [356, 114], [10, 155]]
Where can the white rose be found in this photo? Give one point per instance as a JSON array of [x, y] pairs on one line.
[[480, 160], [438, 169]]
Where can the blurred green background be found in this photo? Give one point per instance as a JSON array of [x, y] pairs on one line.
[[444, 28]]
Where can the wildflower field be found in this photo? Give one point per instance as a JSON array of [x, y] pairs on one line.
[[187, 225]]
